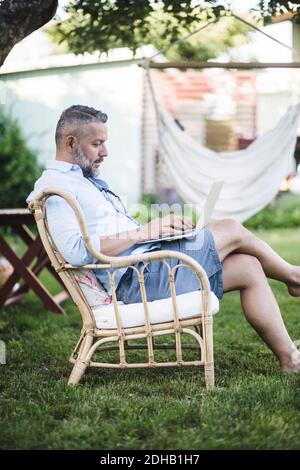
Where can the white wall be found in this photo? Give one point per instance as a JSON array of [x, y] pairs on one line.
[[277, 89], [37, 98]]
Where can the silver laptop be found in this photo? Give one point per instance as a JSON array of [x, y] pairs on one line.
[[203, 220]]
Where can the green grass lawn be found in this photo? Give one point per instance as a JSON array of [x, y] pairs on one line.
[[253, 407]]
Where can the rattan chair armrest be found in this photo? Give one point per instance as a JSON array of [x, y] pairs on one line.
[[161, 255]]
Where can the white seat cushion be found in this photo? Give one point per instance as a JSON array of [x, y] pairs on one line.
[[160, 311]]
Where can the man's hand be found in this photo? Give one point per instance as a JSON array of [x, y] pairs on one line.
[[113, 245], [169, 224]]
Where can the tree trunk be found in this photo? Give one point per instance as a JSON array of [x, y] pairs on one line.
[[19, 18]]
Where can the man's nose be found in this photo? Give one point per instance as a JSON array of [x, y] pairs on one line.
[[103, 151]]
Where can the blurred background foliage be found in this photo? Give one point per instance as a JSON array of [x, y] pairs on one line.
[[100, 26], [284, 212], [18, 164]]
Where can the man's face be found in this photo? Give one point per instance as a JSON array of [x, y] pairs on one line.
[[90, 150]]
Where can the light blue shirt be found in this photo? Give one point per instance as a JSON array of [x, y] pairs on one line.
[[102, 215]]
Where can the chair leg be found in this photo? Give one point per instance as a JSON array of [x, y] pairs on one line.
[[209, 376], [209, 369], [198, 329], [80, 364]]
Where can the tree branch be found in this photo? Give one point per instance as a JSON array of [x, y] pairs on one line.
[[19, 18]]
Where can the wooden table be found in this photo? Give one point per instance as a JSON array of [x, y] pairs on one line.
[[35, 255]]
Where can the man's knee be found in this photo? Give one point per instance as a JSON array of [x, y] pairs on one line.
[[251, 268], [235, 229]]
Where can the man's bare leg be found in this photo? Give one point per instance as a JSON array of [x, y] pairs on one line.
[[231, 237], [245, 273]]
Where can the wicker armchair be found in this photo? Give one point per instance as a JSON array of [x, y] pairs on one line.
[[188, 313]]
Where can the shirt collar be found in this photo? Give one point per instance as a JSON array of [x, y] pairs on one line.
[[99, 182], [62, 166]]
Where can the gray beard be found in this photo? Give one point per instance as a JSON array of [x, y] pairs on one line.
[[86, 166]]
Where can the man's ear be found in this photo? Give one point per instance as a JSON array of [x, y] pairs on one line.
[[70, 143]]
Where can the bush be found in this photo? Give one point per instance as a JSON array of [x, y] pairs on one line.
[[19, 166], [285, 214]]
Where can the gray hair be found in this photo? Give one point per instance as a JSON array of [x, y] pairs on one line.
[[74, 118]]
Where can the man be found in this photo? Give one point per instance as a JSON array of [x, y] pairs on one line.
[[233, 258]]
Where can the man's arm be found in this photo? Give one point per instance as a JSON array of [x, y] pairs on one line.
[[64, 229], [113, 245]]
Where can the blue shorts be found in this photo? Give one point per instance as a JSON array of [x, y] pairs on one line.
[[201, 247]]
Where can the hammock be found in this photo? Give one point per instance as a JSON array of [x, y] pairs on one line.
[[252, 176]]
